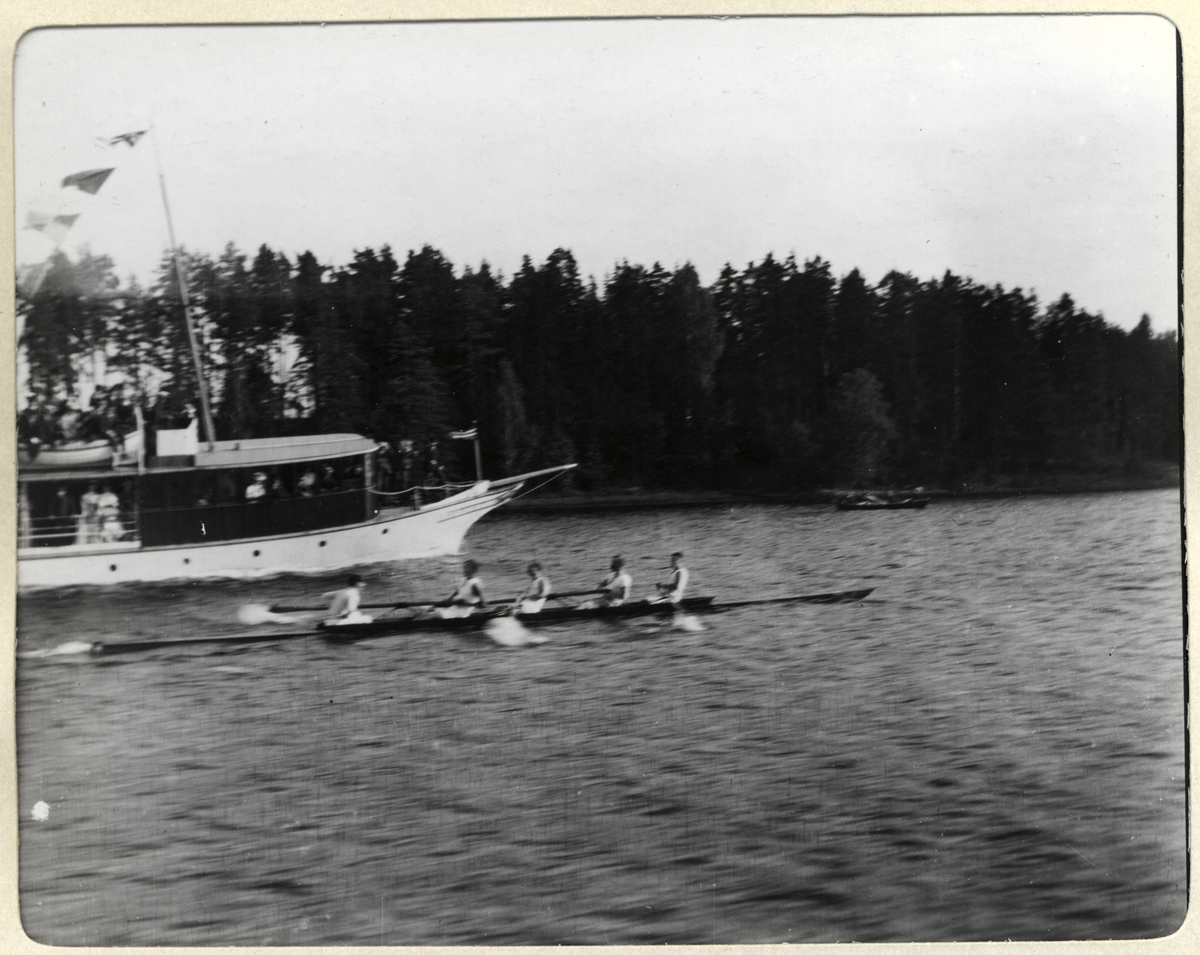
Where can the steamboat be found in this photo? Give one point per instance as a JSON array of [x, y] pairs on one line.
[[248, 508]]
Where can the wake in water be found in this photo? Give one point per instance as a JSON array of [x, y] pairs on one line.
[[70, 648], [509, 633], [254, 614]]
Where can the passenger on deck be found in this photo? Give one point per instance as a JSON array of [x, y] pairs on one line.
[[256, 490], [329, 480], [536, 593], [616, 585], [469, 596], [307, 486], [108, 516], [671, 590], [89, 523], [64, 519]]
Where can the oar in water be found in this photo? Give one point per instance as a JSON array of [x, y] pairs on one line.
[[390, 605]]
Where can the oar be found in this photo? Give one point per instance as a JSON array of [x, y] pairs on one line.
[[576, 593], [392, 605], [398, 604]]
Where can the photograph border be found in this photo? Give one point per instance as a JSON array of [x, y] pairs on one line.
[[20, 16]]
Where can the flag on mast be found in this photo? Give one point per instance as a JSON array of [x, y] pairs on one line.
[[470, 435], [130, 139], [89, 181]]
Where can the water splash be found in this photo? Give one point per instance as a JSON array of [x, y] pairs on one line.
[[254, 614], [509, 633], [70, 648]]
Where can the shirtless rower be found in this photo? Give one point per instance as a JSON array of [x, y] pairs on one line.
[[671, 590], [469, 596], [536, 593], [616, 585], [343, 607]]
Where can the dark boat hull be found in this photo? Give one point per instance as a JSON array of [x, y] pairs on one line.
[[907, 505], [547, 617]]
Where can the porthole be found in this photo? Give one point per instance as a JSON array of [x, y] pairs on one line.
[[112, 566], [385, 530], [187, 560], [322, 543], [257, 552]]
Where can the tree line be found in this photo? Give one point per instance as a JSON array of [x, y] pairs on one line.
[[778, 376]]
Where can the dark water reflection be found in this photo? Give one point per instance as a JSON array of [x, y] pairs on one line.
[[990, 747]]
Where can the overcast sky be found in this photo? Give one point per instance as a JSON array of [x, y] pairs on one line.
[[1037, 152]]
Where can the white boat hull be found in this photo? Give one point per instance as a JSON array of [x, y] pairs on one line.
[[434, 530]]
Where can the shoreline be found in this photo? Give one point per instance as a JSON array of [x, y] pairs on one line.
[[628, 500]]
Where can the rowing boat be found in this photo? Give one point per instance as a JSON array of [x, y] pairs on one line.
[[349, 632], [904, 504]]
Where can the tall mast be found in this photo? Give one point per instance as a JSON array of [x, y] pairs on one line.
[[183, 295]]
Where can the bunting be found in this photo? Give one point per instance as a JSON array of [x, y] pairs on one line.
[[89, 181], [54, 228], [130, 139]]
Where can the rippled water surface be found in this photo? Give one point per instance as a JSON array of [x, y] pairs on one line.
[[989, 747]]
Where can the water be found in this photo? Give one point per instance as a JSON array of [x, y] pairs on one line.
[[989, 747]]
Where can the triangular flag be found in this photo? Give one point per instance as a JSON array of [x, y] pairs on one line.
[[89, 181], [129, 138]]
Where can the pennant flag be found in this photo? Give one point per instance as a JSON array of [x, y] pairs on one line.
[[55, 229], [129, 138], [89, 181], [465, 435]]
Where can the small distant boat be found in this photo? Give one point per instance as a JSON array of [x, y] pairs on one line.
[[877, 502]]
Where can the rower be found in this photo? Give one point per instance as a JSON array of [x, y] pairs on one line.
[[343, 607], [671, 590], [616, 585], [469, 596], [536, 593]]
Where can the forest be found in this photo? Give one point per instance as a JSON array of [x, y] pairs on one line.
[[778, 377]]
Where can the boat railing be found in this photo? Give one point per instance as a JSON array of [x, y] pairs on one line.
[[419, 495], [74, 529]]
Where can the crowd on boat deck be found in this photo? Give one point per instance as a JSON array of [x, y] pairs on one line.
[[108, 416], [413, 475], [97, 516]]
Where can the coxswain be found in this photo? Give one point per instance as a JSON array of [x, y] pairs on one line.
[[616, 585], [536, 593], [343, 605], [671, 590], [469, 596]]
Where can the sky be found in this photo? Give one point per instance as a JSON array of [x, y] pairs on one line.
[[1036, 152]]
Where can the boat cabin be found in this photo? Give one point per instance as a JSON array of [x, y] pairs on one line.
[[191, 492]]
